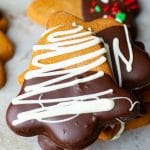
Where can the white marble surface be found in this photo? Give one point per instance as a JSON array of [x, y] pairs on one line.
[[24, 33]]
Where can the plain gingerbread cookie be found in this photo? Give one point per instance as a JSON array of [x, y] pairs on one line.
[[6, 48], [40, 10]]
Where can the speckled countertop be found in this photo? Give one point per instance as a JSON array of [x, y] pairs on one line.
[[24, 33]]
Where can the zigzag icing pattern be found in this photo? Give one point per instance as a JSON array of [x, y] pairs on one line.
[[64, 42]]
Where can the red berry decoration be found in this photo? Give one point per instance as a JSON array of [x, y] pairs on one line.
[[111, 17], [92, 10], [131, 4], [116, 4], [106, 8], [128, 2], [93, 3]]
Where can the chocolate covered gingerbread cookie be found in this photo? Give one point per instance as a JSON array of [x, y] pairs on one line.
[[69, 92], [130, 65]]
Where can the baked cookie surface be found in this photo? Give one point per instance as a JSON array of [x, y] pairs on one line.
[[6, 48]]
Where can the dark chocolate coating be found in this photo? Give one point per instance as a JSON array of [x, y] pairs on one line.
[[131, 13], [47, 144], [83, 130], [140, 74]]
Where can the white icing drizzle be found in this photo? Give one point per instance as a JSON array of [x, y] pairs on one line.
[[122, 128], [105, 1], [64, 42], [119, 20], [67, 108], [119, 55]]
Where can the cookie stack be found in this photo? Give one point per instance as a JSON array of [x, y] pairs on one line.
[[87, 80]]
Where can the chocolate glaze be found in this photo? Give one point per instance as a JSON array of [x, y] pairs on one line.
[[47, 144], [83, 130], [131, 13], [140, 74]]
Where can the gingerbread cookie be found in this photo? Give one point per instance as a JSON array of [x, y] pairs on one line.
[[69, 93], [2, 75], [6, 48], [3, 23], [40, 10], [138, 76], [130, 63], [131, 56]]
